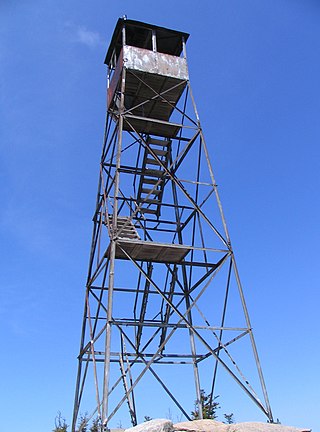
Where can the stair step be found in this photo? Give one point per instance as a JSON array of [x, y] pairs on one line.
[[121, 221], [150, 181], [148, 210], [158, 142], [122, 235], [158, 152], [152, 161], [153, 173], [128, 227], [125, 227], [151, 191], [151, 201]]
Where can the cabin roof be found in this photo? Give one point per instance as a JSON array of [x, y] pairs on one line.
[[168, 40]]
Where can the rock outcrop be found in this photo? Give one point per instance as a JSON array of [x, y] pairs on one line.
[[157, 425], [164, 425], [215, 426], [205, 425]]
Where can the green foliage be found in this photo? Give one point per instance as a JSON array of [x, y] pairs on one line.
[[209, 407], [60, 423], [229, 418], [96, 425], [83, 423]]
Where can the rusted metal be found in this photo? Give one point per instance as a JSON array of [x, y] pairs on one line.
[[150, 251], [172, 38], [139, 59]]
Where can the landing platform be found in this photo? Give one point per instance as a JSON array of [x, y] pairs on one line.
[[150, 251]]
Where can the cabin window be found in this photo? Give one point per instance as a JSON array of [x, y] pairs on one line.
[[139, 37], [169, 42]]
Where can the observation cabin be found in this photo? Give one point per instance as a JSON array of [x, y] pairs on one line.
[[156, 56]]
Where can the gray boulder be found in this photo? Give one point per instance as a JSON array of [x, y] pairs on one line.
[[157, 425], [205, 425], [215, 426], [263, 427]]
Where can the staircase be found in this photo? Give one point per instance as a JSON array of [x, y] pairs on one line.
[[125, 228], [151, 186]]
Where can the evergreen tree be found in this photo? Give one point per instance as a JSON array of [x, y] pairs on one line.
[[83, 422], [60, 423], [96, 425], [229, 418], [209, 407]]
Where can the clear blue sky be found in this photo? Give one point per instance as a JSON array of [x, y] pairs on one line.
[[255, 68]]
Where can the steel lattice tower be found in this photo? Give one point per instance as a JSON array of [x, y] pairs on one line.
[[163, 289]]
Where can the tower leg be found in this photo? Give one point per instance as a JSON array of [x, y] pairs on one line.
[[112, 259]]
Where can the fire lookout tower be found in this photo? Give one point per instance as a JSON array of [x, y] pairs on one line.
[[163, 290]]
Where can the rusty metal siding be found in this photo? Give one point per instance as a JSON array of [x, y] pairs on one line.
[[115, 79], [154, 62]]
